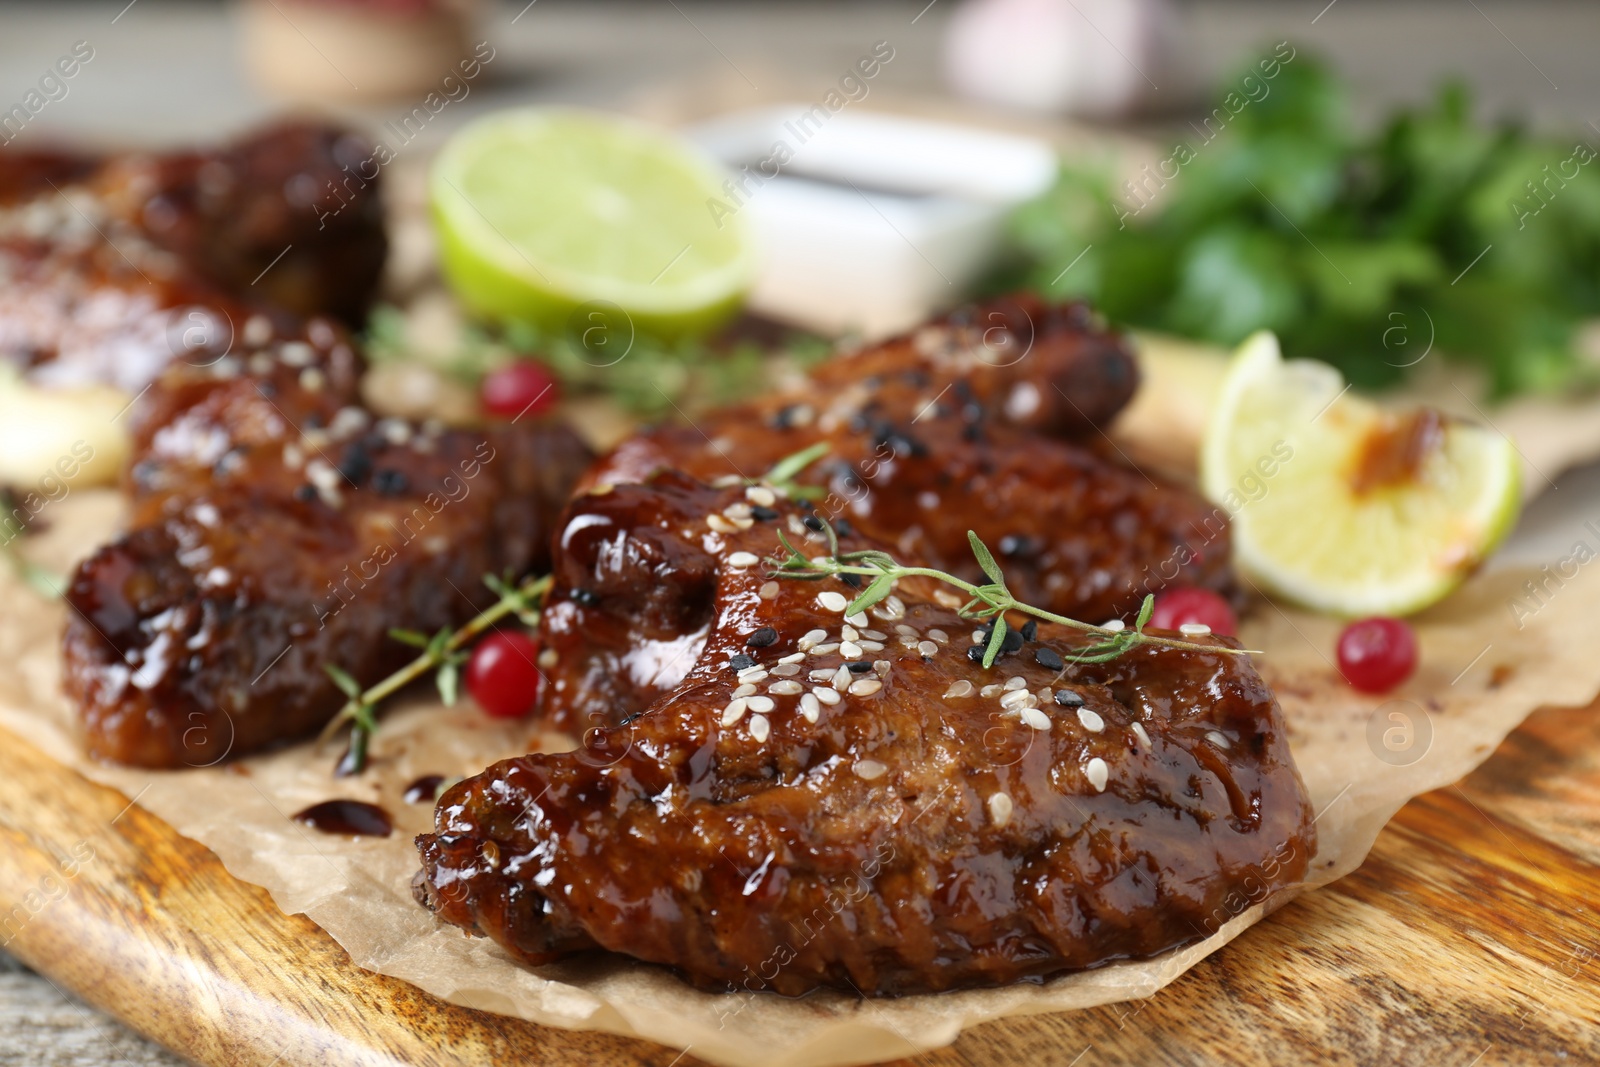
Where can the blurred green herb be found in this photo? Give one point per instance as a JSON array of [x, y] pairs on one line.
[[646, 376], [13, 529], [1354, 248]]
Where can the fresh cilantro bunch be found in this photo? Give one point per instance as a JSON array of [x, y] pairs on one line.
[[1357, 249]]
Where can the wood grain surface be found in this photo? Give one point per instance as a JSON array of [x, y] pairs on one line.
[[1469, 937]]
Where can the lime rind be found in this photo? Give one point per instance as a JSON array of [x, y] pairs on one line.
[[1279, 453]]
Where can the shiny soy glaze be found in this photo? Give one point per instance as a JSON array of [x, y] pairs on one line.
[[425, 790], [989, 419], [352, 818], [755, 812]]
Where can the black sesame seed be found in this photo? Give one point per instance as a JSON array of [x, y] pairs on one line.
[[1068, 699], [585, 597], [859, 666], [1012, 642], [389, 482], [1030, 629], [357, 463], [975, 653], [306, 492], [813, 523], [843, 528], [852, 580], [783, 418], [764, 514], [1048, 659], [741, 662], [761, 638]]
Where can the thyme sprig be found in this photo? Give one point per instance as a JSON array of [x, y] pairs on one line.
[[41, 580], [443, 653], [990, 600]]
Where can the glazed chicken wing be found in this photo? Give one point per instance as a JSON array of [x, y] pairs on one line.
[[988, 420], [794, 798], [114, 267], [277, 528]]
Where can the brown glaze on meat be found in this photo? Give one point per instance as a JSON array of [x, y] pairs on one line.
[[112, 270], [276, 529], [923, 825], [971, 424]]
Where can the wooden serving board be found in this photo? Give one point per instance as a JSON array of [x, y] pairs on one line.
[[1469, 937]]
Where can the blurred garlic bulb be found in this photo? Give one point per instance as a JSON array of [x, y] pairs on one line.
[[1096, 58]]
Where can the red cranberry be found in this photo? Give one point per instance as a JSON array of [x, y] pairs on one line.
[[503, 676], [1377, 654], [1174, 607], [518, 389]]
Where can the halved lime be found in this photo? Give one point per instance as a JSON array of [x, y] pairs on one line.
[[541, 212], [1346, 507]]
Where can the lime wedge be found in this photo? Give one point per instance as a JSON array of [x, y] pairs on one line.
[[1341, 505], [541, 212]]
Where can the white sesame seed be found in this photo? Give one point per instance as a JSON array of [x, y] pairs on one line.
[[1000, 807], [1194, 629], [786, 670], [312, 380], [721, 525], [260, 364], [810, 707], [1015, 682], [736, 511], [296, 353], [939, 636], [1217, 739], [825, 650], [963, 688], [895, 607], [1115, 626], [769, 591], [812, 638], [1098, 773], [850, 650], [757, 673], [849, 633], [1035, 718], [793, 657], [1091, 720], [831, 601], [822, 674], [549, 658], [1015, 698], [785, 688], [869, 770], [870, 646], [865, 687], [988, 691], [759, 703], [841, 678], [909, 642], [945, 598], [395, 431], [743, 559], [928, 648], [874, 635], [977, 637], [760, 495], [760, 728], [1138, 731], [734, 711], [826, 695], [907, 631], [744, 691], [257, 330], [726, 481], [881, 667], [858, 619]]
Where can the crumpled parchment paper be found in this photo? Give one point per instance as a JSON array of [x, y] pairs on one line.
[[1362, 757]]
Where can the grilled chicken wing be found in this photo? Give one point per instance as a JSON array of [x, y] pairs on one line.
[[801, 799], [112, 268], [988, 420], [277, 528]]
